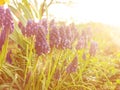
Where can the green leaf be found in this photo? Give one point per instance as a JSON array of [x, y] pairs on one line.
[[26, 12], [18, 14], [19, 39], [3, 53]]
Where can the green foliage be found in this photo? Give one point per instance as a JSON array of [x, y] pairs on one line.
[[3, 53], [29, 71]]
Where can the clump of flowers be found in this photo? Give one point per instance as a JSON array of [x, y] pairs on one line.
[[62, 37], [39, 31], [6, 24], [84, 38]]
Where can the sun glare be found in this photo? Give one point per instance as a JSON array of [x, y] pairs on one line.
[[82, 11]]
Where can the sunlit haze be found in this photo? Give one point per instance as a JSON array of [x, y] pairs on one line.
[[83, 11]]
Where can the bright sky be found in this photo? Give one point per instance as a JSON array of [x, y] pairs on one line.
[[104, 11]]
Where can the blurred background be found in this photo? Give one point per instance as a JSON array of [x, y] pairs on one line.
[[83, 11]]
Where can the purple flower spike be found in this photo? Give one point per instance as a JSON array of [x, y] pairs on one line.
[[6, 24], [41, 44], [64, 41], [1, 15], [7, 21], [72, 67], [81, 43], [93, 48], [31, 28], [44, 23], [54, 37]]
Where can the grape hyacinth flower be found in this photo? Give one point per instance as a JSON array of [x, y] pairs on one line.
[[1, 15], [87, 33], [31, 28], [93, 48], [63, 37], [72, 67], [54, 37], [81, 43], [69, 33], [84, 38], [74, 31], [44, 23], [69, 36], [6, 24], [41, 44], [64, 40]]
